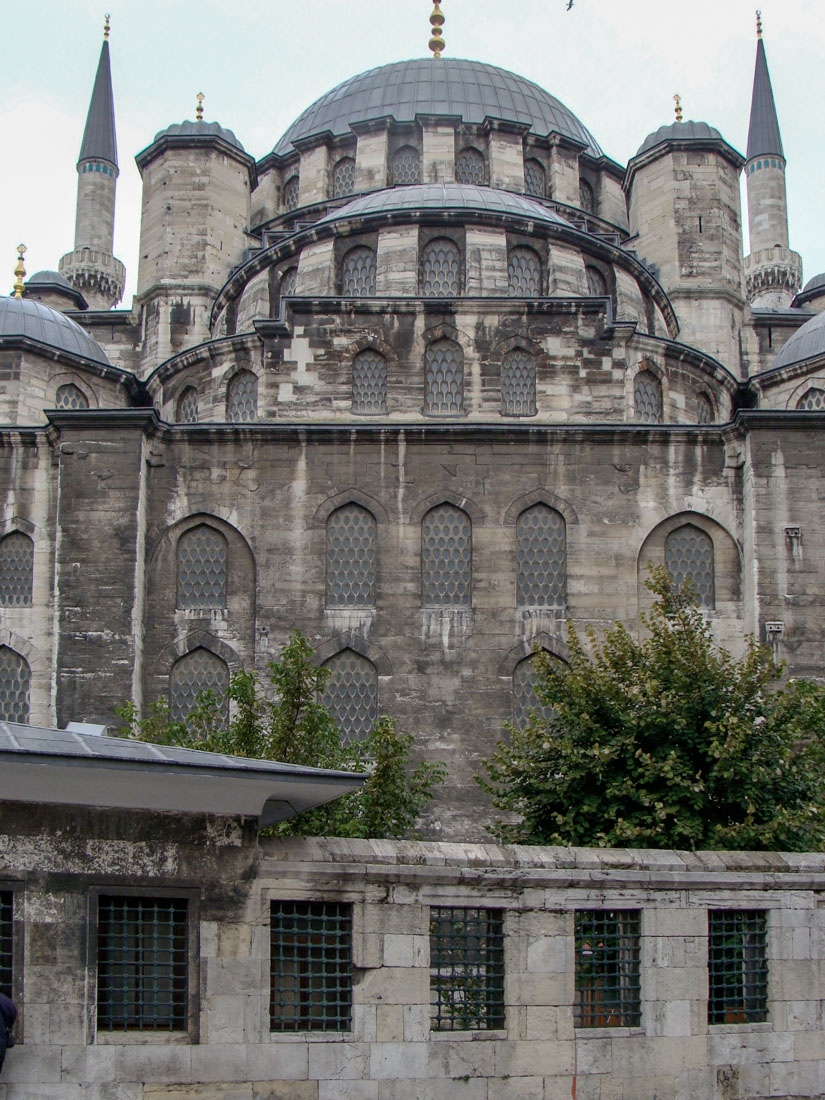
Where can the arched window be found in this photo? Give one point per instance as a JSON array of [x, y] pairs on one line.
[[541, 550], [16, 562], [518, 383], [242, 398], [195, 672], [535, 178], [525, 700], [446, 557], [188, 406], [343, 177], [70, 397], [351, 557], [596, 282], [406, 166], [441, 269], [704, 409], [587, 200], [812, 400], [469, 166], [289, 281], [291, 191], [358, 273], [443, 378], [351, 694], [647, 398], [369, 383], [523, 273], [202, 565], [689, 556], [15, 681]]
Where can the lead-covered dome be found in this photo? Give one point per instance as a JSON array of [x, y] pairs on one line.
[[470, 90], [445, 196], [680, 131], [806, 343], [38, 322], [200, 129]]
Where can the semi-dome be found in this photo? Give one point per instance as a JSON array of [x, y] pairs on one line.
[[680, 131], [199, 129], [445, 196], [469, 90], [38, 322], [806, 343]]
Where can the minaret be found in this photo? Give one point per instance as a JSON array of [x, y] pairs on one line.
[[92, 267], [773, 273]]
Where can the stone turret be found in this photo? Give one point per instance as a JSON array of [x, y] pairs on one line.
[[92, 267]]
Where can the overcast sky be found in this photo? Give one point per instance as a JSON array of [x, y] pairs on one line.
[[615, 63]]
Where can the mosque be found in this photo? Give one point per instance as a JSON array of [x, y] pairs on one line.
[[432, 378]]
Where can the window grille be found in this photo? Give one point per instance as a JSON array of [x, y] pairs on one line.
[[188, 406], [469, 167], [291, 192], [289, 281], [542, 557], [443, 378], [441, 269], [466, 968], [351, 694], [15, 678], [351, 557], [689, 557], [587, 200], [195, 672], [6, 941], [406, 166], [310, 966], [535, 178], [242, 398], [608, 987], [142, 964], [358, 273], [369, 383], [16, 564], [525, 700], [523, 273], [343, 177], [70, 397], [446, 557], [647, 398], [202, 554], [737, 966], [704, 410], [812, 400], [518, 383], [596, 282]]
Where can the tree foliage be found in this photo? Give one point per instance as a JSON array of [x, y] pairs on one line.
[[665, 742], [293, 726]]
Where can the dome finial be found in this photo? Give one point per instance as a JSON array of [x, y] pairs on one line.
[[437, 22], [106, 18], [677, 99], [758, 23], [199, 108], [19, 272]]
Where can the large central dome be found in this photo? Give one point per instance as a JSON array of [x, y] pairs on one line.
[[470, 90]]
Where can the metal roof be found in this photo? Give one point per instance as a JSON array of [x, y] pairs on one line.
[[99, 140], [814, 283], [680, 131], [806, 343], [199, 129], [763, 134], [445, 196], [38, 322], [471, 90], [56, 283]]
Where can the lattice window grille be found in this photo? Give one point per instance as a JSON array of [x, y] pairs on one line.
[[737, 966], [647, 398], [351, 557], [446, 557], [704, 410], [443, 378], [16, 565], [689, 557], [292, 189], [369, 383], [70, 397], [289, 281], [310, 958], [587, 201], [343, 177], [188, 406], [607, 951], [466, 968], [351, 694], [525, 700], [535, 178], [812, 400], [541, 543], [6, 941], [194, 673], [596, 283], [15, 681], [202, 559], [469, 167], [441, 269], [358, 273], [518, 383], [523, 273], [406, 166], [242, 398], [142, 964]]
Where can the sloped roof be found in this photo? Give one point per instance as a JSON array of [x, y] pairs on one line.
[[763, 134], [99, 140]]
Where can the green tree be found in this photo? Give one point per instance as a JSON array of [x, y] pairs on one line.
[[294, 727], [665, 742]]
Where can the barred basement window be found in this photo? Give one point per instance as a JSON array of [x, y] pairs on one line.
[[343, 177], [443, 378], [737, 966], [16, 565], [358, 273], [441, 269], [587, 201], [369, 383], [142, 964], [188, 406], [518, 383], [351, 557], [242, 398], [608, 987], [523, 273], [310, 966], [202, 554], [535, 178], [289, 281], [812, 400], [689, 557], [15, 680], [469, 167], [704, 409], [194, 673], [446, 557], [647, 398], [351, 694], [406, 166], [525, 700], [6, 941], [291, 192], [596, 282], [542, 557], [70, 397], [466, 968]]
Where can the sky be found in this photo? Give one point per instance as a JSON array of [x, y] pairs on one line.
[[615, 63]]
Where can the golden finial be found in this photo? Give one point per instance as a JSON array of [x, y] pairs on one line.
[[199, 108], [758, 23], [19, 272], [678, 101], [437, 22], [107, 17]]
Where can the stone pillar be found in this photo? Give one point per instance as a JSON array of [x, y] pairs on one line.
[[506, 146]]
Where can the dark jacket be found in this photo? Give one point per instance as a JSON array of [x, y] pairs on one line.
[[8, 1014]]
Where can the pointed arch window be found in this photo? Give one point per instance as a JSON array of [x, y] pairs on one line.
[[406, 166], [351, 532], [535, 177], [289, 282], [525, 700], [518, 383], [343, 177], [351, 693], [587, 200], [202, 555], [596, 282], [358, 273], [188, 406], [196, 672], [541, 551], [441, 269], [812, 400], [469, 166], [689, 557], [291, 192], [443, 378], [704, 409], [369, 383], [446, 557], [16, 570], [647, 398], [15, 686], [70, 397], [523, 273], [242, 398]]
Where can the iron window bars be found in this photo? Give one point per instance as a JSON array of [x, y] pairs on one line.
[[737, 966], [310, 966], [466, 968], [6, 941], [608, 989]]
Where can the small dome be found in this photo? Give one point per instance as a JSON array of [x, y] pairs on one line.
[[50, 278], [806, 343], [24, 317], [200, 129], [445, 196], [816, 283], [680, 131]]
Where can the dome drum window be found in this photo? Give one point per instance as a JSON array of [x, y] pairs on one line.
[[289, 281], [441, 269], [70, 397], [242, 398], [369, 383], [406, 166], [535, 178], [351, 557], [518, 384], [358, 273], [15, 682], [689, 557], [16, 565], [470, 167], [194, 673], [647, 398], [541, 542], [351, 693], [202, 560], [813, 400], [523, 273], [443, 379], [188, 406], [292, 189], [343, 178], [446, 557]]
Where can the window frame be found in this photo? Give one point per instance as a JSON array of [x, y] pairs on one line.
[[442, 606], [505, 366], [183, 657], [490, 1001], [230, 383], [328, 572], [4, 538], [759, 975], [427, 409], [18, 935], [201, 609], [426, 241], [28, 666], [586, 1016]]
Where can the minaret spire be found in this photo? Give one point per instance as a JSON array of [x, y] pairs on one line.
[[763, 135], [99, 139]]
